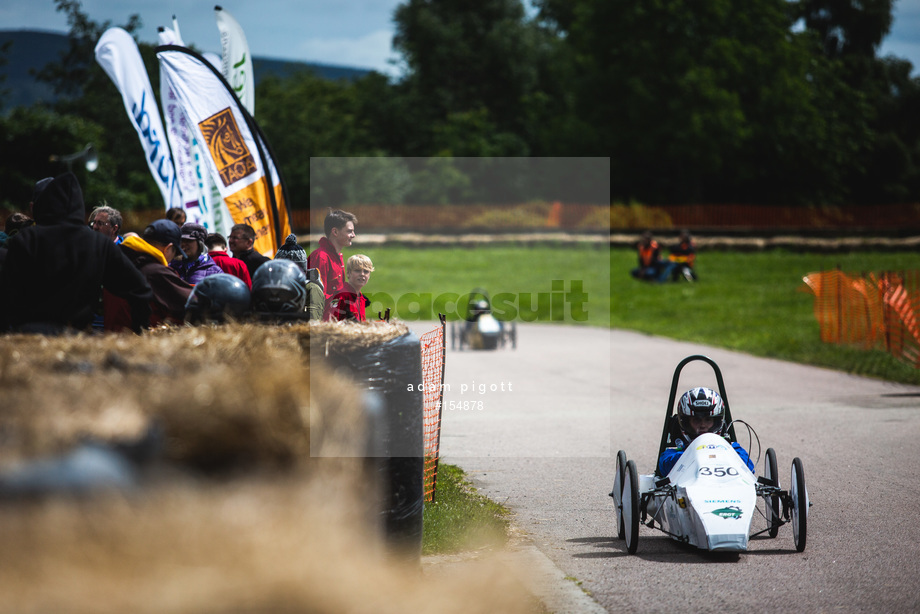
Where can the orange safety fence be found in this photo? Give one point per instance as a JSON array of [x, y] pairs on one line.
[[433, 346], [870, 310]]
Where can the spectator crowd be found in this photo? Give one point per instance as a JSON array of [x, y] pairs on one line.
[[62, 271]]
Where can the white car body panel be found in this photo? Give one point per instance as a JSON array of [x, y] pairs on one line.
[[714, 497], [488, 325]]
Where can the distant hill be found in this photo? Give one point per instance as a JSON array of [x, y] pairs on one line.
[[32, 50], [28, 50]]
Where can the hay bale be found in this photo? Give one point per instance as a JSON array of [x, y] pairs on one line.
[[259, 545], [225, 396], [258, 499]]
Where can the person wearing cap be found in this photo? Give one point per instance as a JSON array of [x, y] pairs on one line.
[[316, 298], [51, 280], [217, 250], [292, 251], [197, 264], [241, 240], [151, 253]]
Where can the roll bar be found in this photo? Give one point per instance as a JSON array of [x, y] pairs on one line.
[[666, 431]]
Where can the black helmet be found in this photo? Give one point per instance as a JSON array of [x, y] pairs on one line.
[[217, 297], [700, 403], [279, 286]]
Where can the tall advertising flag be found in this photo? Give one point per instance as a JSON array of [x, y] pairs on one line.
[[223, 221], [118, 55], [182, 142], [237, 63], [235, 150]]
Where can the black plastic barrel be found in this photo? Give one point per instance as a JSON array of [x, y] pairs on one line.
[[393, 370]]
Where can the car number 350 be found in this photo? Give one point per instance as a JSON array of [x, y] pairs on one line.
[[719, 472]]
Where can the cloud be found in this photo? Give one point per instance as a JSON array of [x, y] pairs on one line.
[[367, 51], [906, 50], [903, 41]]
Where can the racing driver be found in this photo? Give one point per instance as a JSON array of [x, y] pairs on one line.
[[699, 411]]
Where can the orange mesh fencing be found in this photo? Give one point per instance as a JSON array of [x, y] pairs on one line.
[[870, 310], [432, 344]]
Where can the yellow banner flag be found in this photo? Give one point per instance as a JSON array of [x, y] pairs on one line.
[[237, 153]]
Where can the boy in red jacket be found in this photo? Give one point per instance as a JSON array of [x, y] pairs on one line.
[[339, 227], [349, 303], [217, 250]]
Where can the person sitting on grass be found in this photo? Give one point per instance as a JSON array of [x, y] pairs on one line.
[[651, 267], [683, 256]]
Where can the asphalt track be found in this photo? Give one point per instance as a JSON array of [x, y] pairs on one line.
[[545, 447]]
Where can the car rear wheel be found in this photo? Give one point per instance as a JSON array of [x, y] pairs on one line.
[[617, 492], [799, 504], [771, 502], [631, 507]]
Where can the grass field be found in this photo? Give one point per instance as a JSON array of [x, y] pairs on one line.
[[746, 301], [522, 275], [754, 302]]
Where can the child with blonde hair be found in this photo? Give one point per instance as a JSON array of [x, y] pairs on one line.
[[349, 303]]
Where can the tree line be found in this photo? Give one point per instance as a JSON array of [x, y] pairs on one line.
[[736, 101]]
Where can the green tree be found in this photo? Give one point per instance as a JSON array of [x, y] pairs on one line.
[[305, 116], [4, 92], [474, 70], [846, 27], [715, 101], [886, 164], [28, 136], [86, 92]]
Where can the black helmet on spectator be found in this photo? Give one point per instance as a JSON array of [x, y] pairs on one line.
[[279, 286], [216, 298]]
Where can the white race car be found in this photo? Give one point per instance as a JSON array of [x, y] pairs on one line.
[[480, 330], [710, 497]]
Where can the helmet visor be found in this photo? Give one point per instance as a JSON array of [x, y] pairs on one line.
[[697, 424]]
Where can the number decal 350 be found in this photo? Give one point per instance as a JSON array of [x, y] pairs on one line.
[[719, 472]]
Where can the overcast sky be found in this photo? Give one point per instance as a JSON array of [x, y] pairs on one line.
[[353, 33]]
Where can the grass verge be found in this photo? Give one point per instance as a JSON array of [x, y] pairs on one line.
[[746, 301], [460, 518], [754, 302]]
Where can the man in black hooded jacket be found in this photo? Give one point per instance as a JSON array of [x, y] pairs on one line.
[[55, 270]]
